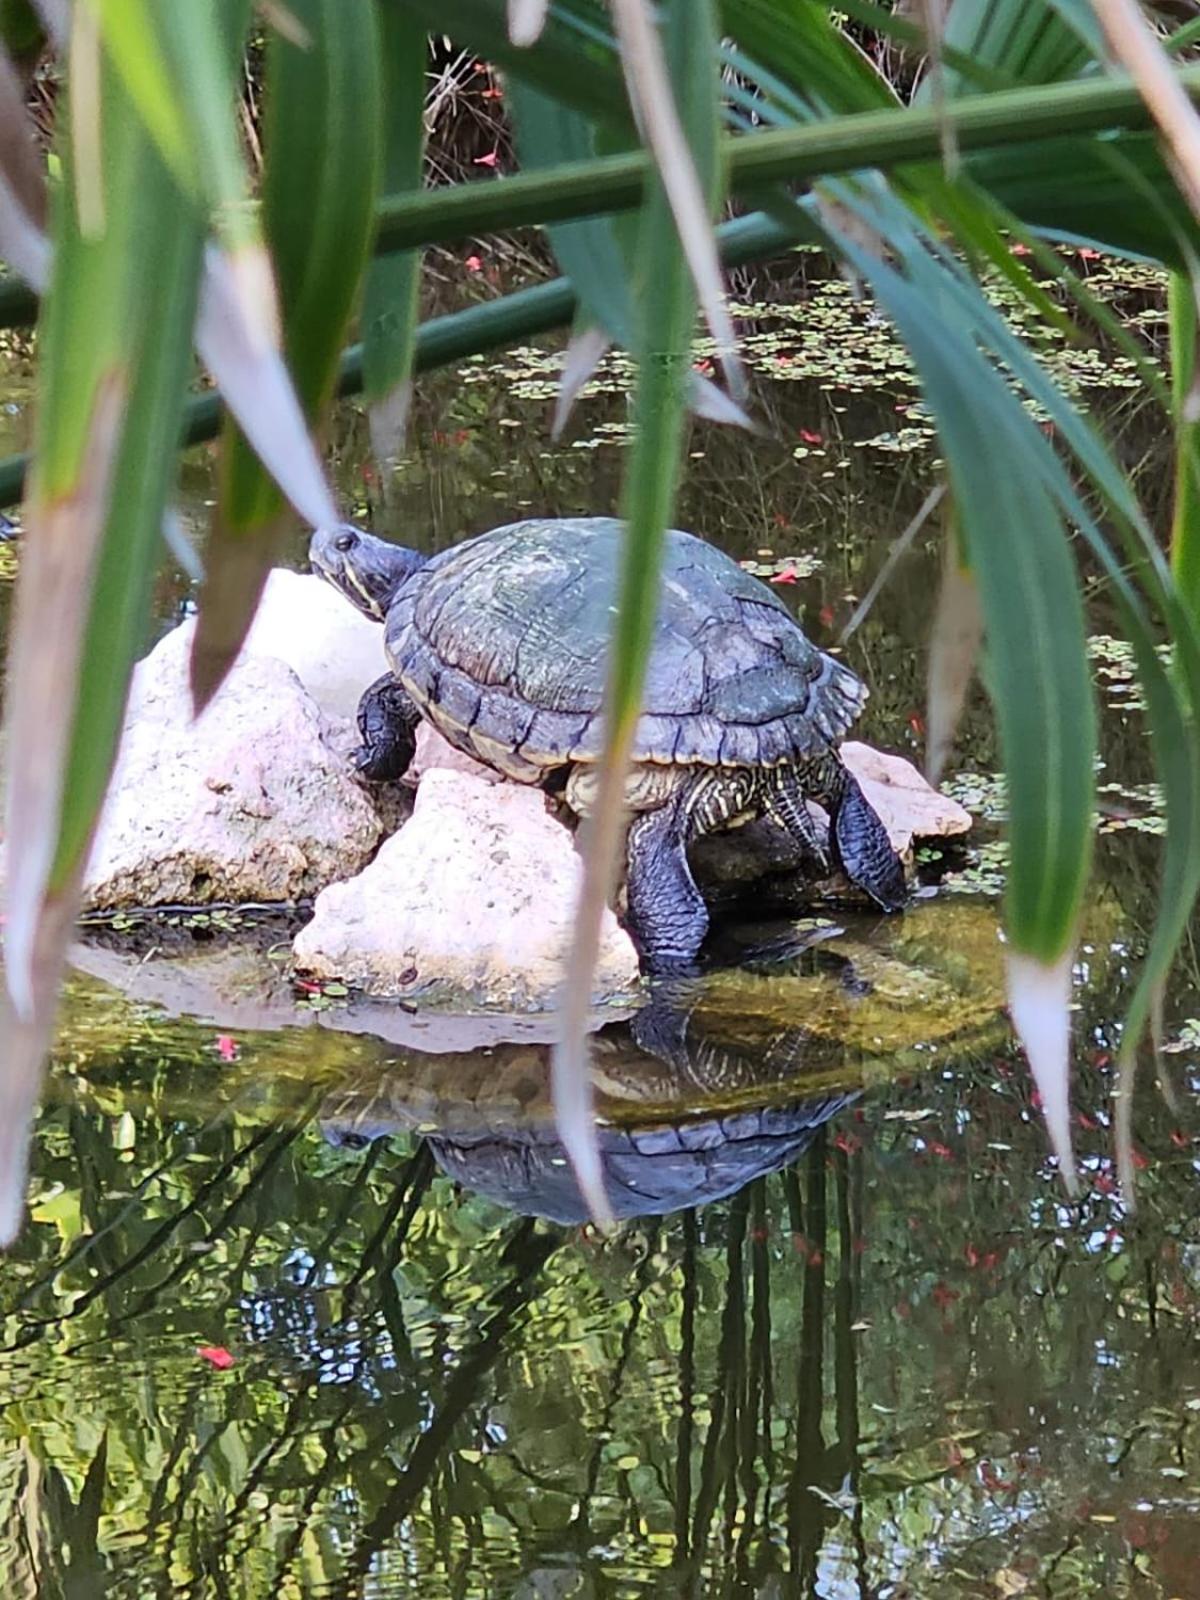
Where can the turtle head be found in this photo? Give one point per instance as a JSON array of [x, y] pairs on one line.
[[367, 570]]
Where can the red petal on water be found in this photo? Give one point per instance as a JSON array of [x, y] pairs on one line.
[[488, 160], [1179, 1139], [474, 264], [217, 1356], [786, 576], [227, 1047], [491, 94], [810, 437]]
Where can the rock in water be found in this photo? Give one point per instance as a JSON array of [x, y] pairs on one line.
[[472, 902], [254, 801], [906, 805]]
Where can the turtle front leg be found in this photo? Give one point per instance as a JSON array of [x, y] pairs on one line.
[[387, 721], [666, 917]]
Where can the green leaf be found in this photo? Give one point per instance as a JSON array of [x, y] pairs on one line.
[[664, 338], [801, 43], [320, 181], [178, 64], [1185, 525], [590, 251], [389, 315], [1030, 41], [115, 357]]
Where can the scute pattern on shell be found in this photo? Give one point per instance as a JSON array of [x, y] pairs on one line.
[[507, 635]]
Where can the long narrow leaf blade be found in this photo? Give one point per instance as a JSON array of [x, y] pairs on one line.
[[389, 317], [115, 355], [320, 182], [664, 345]]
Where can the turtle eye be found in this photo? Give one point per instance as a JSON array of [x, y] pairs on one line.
[[345, 541]]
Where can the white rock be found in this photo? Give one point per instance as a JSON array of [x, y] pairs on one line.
[[473, 901], [908, 807], [434, 751], [251, 802], [333, 649]]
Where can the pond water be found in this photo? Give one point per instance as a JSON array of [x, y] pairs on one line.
[[305, 1306]]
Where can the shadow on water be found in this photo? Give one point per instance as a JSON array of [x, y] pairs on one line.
[[305, 1306]]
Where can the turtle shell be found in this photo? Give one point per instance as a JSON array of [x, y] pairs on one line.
[[502, 642]]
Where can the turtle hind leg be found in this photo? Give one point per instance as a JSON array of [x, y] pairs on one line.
[[786, 803], [387, 721], [666, 916], [863, 849]]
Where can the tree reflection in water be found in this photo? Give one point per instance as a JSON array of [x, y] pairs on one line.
[[881, 1356]]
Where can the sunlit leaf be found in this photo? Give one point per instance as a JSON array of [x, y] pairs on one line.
[[1039, 1001]]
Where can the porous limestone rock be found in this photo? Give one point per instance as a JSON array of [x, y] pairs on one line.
[[905, 803], [435, 751], [333, 649], [473, 902], [254, 801]]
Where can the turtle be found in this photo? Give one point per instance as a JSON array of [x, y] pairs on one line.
[[501, 643]]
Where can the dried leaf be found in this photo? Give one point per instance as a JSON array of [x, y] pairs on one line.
[[900, 546], [388, 422], [1039, 998], [953, 651], [56, 19], [526, 19], [27, 1039], [586, 351], [1136, 46], [60, 553], [180, 546], [570, 1071], [288, 26], [83, 90], [237, 337], [714, 405], [23, 243]]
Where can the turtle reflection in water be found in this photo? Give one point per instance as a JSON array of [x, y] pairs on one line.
[[501, 642], [711, 1122]]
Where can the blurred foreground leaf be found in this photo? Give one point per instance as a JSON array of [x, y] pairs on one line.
[[114, 357], [663, 346], [320, 182]]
